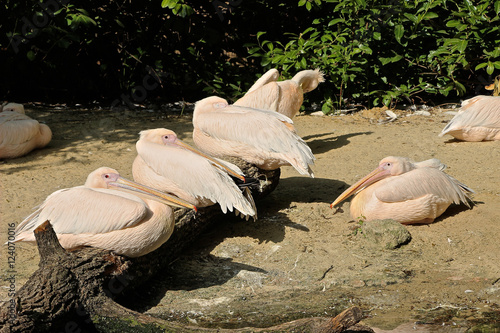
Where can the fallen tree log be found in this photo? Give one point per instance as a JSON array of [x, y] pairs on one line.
[[74, 291]]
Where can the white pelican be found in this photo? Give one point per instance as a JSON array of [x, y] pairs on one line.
[[285, 97], [170, 165], [410, 193], [264, 138], [99, 214], [19, 134]]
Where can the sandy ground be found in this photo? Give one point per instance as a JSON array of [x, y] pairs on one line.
[[299, 259]]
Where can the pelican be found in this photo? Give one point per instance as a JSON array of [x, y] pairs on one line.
[[170, 165], [408, 192], [264, 138], [108, 212], [19, 134], [285, 97], [477, 120]]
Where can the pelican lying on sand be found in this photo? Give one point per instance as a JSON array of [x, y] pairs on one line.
[[408, 192], [19, 134], [477, 120]]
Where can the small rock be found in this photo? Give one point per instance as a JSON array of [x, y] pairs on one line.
[[422, 113], [317, 113], [387, 233]]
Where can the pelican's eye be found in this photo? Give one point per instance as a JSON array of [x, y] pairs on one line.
[[106, 176], [168, 138], [386, 165]]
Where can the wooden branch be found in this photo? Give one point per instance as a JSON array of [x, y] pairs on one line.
[[72, 291]]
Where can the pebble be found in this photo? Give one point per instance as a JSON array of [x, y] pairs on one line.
[[422, 113]]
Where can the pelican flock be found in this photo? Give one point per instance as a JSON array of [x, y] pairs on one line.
[[134, 218]]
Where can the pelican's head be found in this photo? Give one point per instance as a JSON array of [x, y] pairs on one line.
[[160, 136], [210, 103], [19, 108]]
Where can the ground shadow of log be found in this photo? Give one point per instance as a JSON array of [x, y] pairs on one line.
[[74, 291]]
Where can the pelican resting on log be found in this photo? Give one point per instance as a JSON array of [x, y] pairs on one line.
[[170, 165], [405, 191], [19, 134], [285, 97], [108, 212], [477, 120], [264, 138]]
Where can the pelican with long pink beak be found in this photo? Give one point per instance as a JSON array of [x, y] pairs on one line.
[[405, 191]]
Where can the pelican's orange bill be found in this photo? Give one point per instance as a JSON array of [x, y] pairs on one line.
[[165, 198]]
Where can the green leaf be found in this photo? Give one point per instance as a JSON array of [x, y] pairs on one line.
[[460, 88], [119, 23], [30, 55], [453, 23], [482, 65], [399, 32], [335, 21], [462, 45], [411, 17], [490, 68], [430, 15]]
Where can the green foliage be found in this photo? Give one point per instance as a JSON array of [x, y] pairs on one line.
[[383, 52], [178, 7], [372, 52]]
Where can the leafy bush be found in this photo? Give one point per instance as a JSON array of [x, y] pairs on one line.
[[373, 52], [378, 52]]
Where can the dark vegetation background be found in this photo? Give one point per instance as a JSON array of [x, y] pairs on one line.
[[372, 52]]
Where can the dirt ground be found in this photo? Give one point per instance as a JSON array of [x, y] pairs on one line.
[[299, 259]]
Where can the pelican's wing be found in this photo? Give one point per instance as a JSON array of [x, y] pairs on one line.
[[431, 163], [480, 111], [85, 210], [264, 130], [17, 128], [6, 116], [192, 173], [265, 97], [270, 76], [421, 181]]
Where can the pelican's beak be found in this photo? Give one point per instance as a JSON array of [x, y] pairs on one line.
[[151, 193], [217, 163], [361, 184]]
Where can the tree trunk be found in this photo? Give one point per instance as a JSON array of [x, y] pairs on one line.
[[74, 291]]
